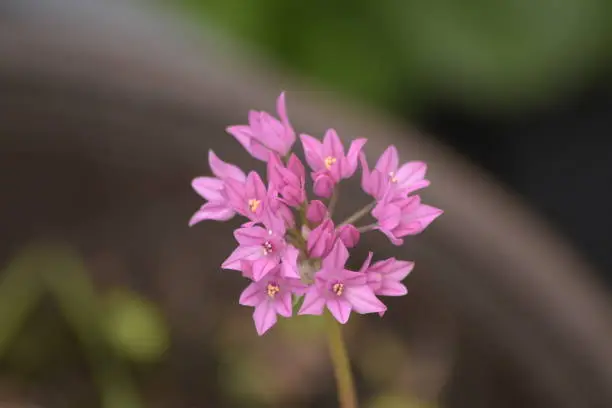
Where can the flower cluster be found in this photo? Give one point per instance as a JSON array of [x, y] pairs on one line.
[[290, 249]]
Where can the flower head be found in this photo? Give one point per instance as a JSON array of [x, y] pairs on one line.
[[265, 134], [289, 248]]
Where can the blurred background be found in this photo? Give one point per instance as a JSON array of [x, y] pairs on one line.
[[108, 109]]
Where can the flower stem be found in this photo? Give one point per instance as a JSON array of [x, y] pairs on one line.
[[359, 214], [332, 202], [347, 397], [367, 228]]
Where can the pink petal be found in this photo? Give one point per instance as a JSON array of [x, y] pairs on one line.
[[252, 236], [242, 134], [332, 145], [295, 165], [281, 109], [320, 239], [264, 317], [212, 211], [411, 172], [224, 170], [274, 167], [391, 288], [396, 270], [410, 188], [255, 187], [380, 184], [313, 151], [351, 278], [349, 235], [388, 161], [252, 295], [278, 217], [365, 174], [258, 150], [351, 158], [241, 254], [323, 185], [424, 215], [374, 280], [337, 257], [247, 269], [313, 304], [235, 190], [394, 239], [388, 216], [271, 134], [282, 303], [363, 300], [316, 212], [366, 263], [209, 188], [289, 268], [262, 266], [296, 286], [340, 309]]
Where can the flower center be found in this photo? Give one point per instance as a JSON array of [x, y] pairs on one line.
[[268, 248], [329, 160], [338, 288], [393, 178], [254, 204], [272, 289]]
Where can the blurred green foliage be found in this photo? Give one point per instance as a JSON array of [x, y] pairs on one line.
[[109, 331], [401, 53]]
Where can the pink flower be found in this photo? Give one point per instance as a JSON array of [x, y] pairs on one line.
[[264, 133], [270, 297], [340, 290], [349, 235], [385, 277], [401, 216], [316, 212], [263, 250], [288, 181], [321, 239], [288, 244], [212, 189], [251, 199], [386, 175], [329, 158]]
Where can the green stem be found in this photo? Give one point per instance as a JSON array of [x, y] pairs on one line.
[[347, 397], [358, 215], [367, 228], [332, 202]]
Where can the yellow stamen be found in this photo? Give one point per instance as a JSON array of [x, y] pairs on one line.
[[393, 178], [267, 248], [329, 160], [272, 289], [338, 288], [254, 204]]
